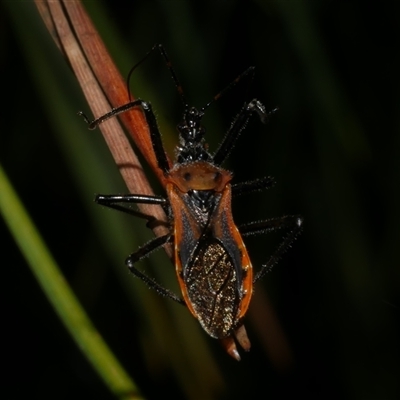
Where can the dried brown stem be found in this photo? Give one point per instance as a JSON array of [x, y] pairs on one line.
[[104, 88]]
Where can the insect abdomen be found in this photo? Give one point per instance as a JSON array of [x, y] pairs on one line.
[[212, 288]]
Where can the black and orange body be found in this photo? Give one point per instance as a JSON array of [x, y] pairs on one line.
[[213, 268], [212, 264]]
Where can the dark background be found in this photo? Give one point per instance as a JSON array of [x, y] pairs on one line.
[[332, 68]]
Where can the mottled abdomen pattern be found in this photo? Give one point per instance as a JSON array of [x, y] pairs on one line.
[[212, 288]]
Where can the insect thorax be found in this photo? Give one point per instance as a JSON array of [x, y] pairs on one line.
[[199, 175]]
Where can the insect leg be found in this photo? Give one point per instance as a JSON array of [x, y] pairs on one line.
[[109, 199], [155, 135], [252, 186], [116, 202], [144, 252], [115, 111], [237, 126], [291, 222]]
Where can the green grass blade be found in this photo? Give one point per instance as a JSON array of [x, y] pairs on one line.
[[60, 294]]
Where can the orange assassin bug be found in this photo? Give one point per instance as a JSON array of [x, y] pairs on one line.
[[213, 267]]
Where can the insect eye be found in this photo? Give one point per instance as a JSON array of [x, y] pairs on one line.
[[217, 176], [187, 176]]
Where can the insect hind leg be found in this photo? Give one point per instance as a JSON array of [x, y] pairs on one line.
[[291, 222], [143, 252]]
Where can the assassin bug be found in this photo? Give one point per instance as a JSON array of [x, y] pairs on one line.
[[213, 267]]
